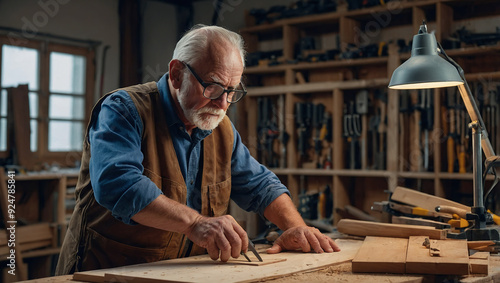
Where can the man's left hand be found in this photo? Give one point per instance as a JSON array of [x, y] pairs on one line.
[[303, 238]]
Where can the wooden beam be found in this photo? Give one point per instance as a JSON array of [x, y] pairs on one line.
[[423, 200], [19, 98], [367, 228]]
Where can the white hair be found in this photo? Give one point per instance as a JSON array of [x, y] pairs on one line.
[[193, 45]]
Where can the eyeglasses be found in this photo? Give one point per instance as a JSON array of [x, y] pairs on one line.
[[214, 90]]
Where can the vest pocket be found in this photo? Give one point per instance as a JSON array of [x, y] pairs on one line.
[[103, 252], [170, 189], [219, 196]]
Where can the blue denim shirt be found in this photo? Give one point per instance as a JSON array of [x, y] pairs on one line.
[[116, 161]]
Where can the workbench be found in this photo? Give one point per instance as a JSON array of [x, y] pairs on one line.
[[297, 267]]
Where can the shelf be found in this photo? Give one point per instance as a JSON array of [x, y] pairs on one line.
[[298, 21], [361, 14], [301, 171], [330, 172], [266, 69], [316, 87], [340, 85], [464, 51], [364, 173], [316, 65], [417, 175], [478, 50]]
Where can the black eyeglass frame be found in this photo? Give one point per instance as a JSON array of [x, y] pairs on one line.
[[205, 85]]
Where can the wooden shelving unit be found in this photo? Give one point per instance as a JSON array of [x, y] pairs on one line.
[[336, 82], [40, 213]]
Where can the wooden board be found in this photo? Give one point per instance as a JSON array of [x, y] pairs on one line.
[[203, 269], [454, 258], [479, 262], [423, 200], [20, 105], [381, 254], [367, 228]]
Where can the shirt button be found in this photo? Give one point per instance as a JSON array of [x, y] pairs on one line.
[[181, 128], [192, 182]]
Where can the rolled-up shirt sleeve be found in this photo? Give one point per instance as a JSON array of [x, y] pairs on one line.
[[116, 170], [254, 186]]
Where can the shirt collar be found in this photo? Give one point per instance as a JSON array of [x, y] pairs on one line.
[[169, 108]]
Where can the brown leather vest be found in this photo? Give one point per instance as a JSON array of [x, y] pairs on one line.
[[95, 239]]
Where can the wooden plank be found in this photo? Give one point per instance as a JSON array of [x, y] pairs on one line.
[[453, 259], [316, 87], [367, 228], [423, 200], [420, 222], [20, 103], [381, 255], [479, 262], [484, 246], [203, 269]]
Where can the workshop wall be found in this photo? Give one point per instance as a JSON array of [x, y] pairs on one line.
[[159, 36]]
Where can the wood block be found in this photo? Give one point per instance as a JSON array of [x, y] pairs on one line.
[[381, 254], [453, 259], [368, 228], [479, 262]]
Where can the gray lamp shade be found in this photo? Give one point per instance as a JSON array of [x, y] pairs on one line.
[[425, 68]]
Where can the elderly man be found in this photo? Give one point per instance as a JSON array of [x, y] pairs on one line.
[[161, 162]]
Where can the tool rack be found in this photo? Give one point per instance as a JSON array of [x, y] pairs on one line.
[[335, 83]]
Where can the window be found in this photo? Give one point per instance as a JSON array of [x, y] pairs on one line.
[[66, 101], [61, 83]]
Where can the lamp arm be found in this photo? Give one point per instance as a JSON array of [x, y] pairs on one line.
[[471, 106]]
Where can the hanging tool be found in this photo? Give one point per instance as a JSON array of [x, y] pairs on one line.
[[403, 125], [416, 161], [450, 144], [301, 122], [317, 123], [373, 127], [352, 130], [267, 131], [382, 127], [362, 110], [427, 122]]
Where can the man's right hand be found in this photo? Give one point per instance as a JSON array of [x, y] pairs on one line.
[[222, 236]]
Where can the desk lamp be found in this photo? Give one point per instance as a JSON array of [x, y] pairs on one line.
[[426, 69]]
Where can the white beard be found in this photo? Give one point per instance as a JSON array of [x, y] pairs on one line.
[[196, 117]]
